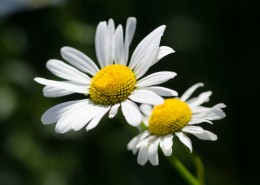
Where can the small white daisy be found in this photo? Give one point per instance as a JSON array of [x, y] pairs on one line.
[[111, 85], [174, 117]]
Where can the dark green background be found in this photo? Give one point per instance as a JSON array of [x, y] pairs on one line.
[[216, 42]]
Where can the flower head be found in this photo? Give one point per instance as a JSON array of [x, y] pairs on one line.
[[174, 117], [115, 83]]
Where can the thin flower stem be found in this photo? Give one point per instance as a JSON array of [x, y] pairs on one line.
[[184, 172], [199, 168]]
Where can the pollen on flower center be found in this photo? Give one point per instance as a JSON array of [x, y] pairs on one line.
[[169, 117], [112, 84]]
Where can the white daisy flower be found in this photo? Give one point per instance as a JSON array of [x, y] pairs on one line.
[[115, 83], [174, 117]]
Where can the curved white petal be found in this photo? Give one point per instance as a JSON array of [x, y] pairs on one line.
[[153, 152], [206, 135], [94, 122], [53, 114], [210, 114], [70, 119], [62, 85], [185, 140], [119, 46], [113, 110], [219, 106], [132, 145], [155, 78], [186, 95], [146, 109], [166, 144], [148, 59], [103, 44], [78, 118], [49, 91], [129, 34], [194, 121], [79, 60], [202, 98], [199, 109], [161, 91], [163, 51], [131, 113], [143, 46], [82, 120], [142, 157], [193, 129], [67, 72], [145, 96]]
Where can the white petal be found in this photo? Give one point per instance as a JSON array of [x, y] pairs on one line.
[[131, 113], [211, 114], [111, 34], [185, 140], [186, 95], [161, 91], [220, 106], [142, 157], [80, 120], [145, 96], [103, 45], [148, 59], [119, 46], [155, 78], [113, 110], [62, 85], [49, 91], [198, 120], [129, 34], [216, 114], [132, 145], [166, 144], [72, 118], [202, 98], [141, 49], [199, 109], [153, 152], [67, 72], [164, 50], [206, 135], [53, 114], [94, 122], [193, 129], [146, 141], [79, 60], [146, 109], [205, 113]]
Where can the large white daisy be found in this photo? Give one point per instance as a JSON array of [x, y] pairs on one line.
[[174, 117], [113, 84]]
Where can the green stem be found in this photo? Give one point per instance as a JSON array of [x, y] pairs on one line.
[[199, 169], [184, 172]]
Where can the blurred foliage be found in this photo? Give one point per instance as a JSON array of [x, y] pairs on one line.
[[215, 42]]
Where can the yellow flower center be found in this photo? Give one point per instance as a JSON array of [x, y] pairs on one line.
[[112, 84], [169, 117]]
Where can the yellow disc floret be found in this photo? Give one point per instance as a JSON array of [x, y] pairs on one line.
[[169, 117], [112, 84]]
